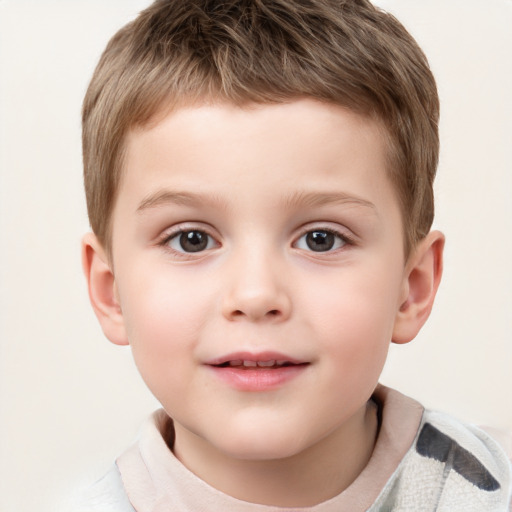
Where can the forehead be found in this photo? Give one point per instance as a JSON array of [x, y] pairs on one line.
[[294, 148]]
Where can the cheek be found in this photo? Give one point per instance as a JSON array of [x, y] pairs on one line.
[[163, 322], [159, 301], [354, 320]]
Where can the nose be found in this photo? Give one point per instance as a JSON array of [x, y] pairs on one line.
[[257, 290]]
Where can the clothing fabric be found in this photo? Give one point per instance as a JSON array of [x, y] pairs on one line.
[[423, 461]]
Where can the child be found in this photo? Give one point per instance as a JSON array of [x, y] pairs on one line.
[[259, 184]]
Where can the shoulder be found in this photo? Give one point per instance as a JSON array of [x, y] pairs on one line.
[[461, 465], [105, 495], [445, 464], [476, 455]]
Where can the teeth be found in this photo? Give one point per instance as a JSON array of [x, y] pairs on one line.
[[266, 363], [259, 364], [256, 364]]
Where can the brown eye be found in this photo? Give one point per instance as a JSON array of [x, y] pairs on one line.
[[191, 241], [320, 240]]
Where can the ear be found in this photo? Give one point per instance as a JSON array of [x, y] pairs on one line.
[[422, 276], [102, 289]]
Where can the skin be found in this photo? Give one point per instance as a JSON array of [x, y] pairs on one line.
[[255, 182]]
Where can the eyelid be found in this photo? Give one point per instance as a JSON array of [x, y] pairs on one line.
[[187, 226]]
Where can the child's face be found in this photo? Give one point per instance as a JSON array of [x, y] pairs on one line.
[[260, 235]]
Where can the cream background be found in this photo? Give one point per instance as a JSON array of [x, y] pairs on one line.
[[69, 400]]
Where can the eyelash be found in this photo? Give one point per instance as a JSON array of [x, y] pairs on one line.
[[168, 237], [343, 237], [179, 231]]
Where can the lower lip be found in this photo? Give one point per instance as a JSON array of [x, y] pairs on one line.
[[258, 379]]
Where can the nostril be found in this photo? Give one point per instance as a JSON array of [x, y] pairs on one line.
[[238, 313]]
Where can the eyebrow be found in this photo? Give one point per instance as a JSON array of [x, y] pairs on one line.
[[297, 199], [165, 197], [316, 199]]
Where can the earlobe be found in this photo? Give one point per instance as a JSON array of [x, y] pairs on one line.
[[102, 290], [421, 280]]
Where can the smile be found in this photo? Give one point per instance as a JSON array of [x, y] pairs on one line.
[[247, 363], [256, 372]]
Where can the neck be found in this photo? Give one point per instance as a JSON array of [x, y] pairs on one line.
[[312, 476]]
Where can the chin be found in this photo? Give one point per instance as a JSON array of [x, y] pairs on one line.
[[260, 445]]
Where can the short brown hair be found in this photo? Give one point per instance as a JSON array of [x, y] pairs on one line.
[[346, 52]]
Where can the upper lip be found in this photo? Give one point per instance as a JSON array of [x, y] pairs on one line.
[[256, 357]]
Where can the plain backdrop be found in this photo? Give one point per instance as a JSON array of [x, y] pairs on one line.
[[69, 400]]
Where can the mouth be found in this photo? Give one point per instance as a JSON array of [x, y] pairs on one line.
[[257, 372], [254, 361], [249, 364]]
